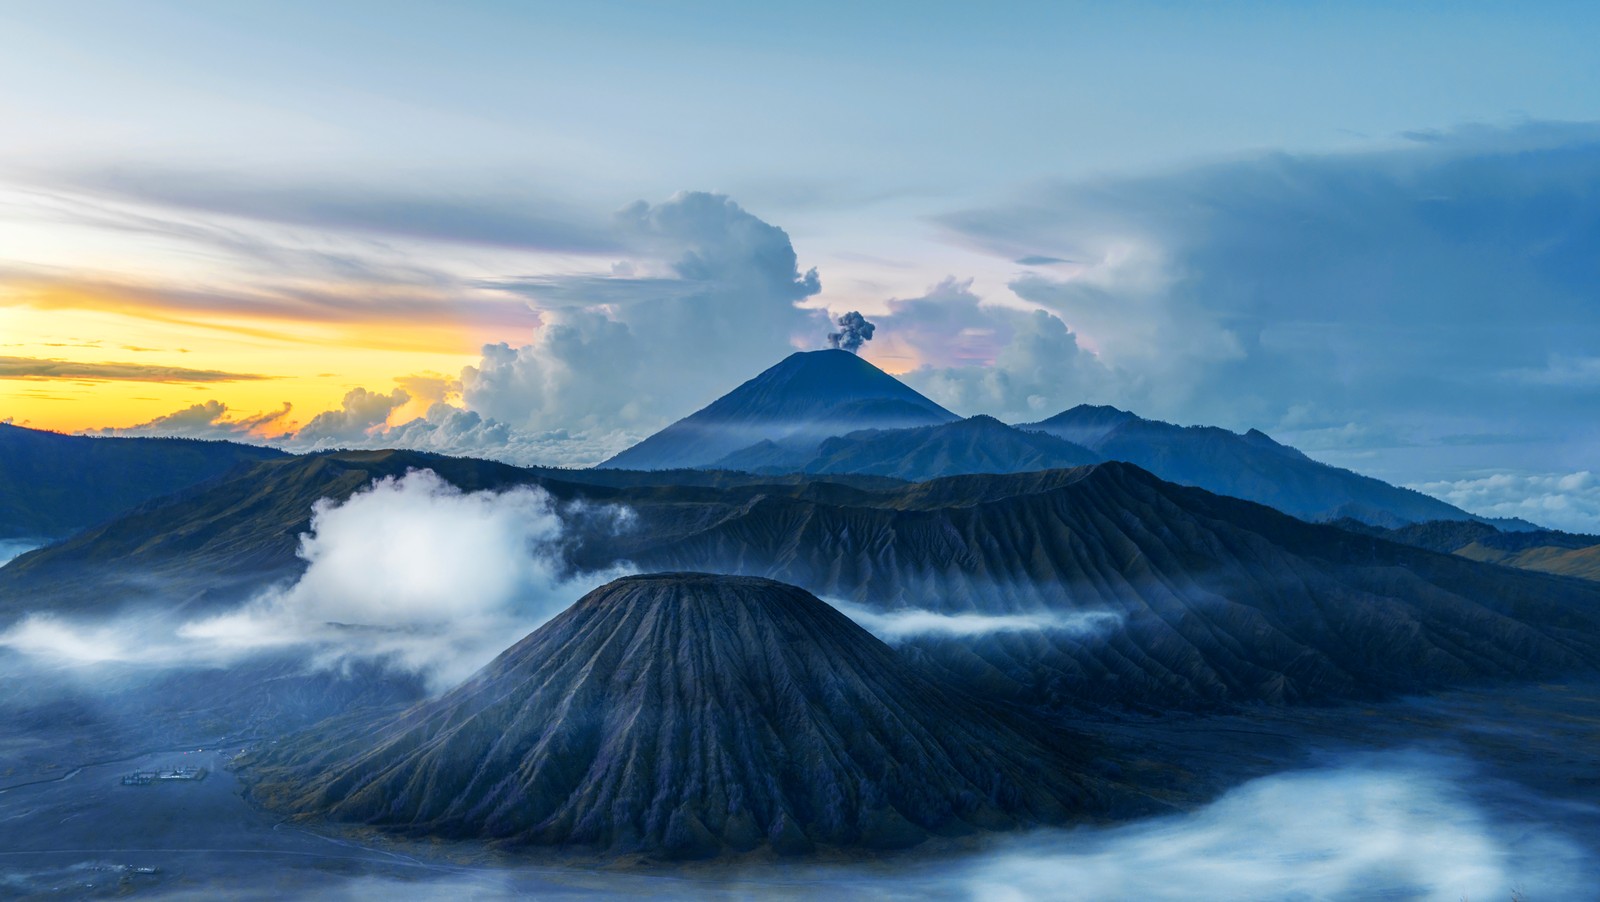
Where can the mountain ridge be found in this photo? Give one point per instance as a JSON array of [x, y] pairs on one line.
[[1252, 466], [52, 484], [1220, 601]]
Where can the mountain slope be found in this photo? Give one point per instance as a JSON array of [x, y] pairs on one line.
[[52, 485], [805, 398], [979, 444], [1213, 600], [686, 715], [1542, 550], [1250, 466], [1219, 600], [200, 549], [1583, 563]]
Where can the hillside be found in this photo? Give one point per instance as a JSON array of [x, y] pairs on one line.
[[1214, 600], [687, 716], [1541, 550], [52, 485], [1219, 600]]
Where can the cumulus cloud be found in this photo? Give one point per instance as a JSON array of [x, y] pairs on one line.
[[1441, 288], [55, 639], [700, 295], [1567, 501], [1397, 825], [894, 626], [360, 413], [419, 573], [447, 429], [207, 420], [1004, 361], [359, 424], [410, 572], [707, 297]]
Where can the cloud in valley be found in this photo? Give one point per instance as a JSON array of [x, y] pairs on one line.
[[905, 623], [1390, 825], [411, 572], [1409, 825]]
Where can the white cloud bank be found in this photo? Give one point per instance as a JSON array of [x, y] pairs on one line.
[[409, 571], [703, 296], [1568, 501], [1391, 826]]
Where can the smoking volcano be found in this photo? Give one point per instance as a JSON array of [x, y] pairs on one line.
[[798, 402], [688, 715]]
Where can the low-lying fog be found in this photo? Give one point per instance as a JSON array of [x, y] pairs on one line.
[[431, 580], [1384, 825], [410, 571], [413, 574]]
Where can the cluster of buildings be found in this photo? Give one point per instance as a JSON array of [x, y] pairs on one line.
[[146, 777]]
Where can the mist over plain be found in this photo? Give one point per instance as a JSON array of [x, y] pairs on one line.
[[414, 576]]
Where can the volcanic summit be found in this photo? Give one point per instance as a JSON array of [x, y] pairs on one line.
[[688, 715]]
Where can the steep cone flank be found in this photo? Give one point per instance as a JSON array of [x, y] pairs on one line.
[[800, 401], [687, 715]]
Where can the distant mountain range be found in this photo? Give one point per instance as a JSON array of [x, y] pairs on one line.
[[807, 397], [1250, 466], [686, 715], [1218, 600], [831, 412], [52, 485]]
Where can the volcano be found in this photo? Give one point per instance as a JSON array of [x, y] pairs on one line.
[[1251, 466], [805, 398], [686, 715]]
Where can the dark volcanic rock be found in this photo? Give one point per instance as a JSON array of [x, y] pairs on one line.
[[980, 444], [52, 484], [688, 715], [796, 403], [1221, 601]]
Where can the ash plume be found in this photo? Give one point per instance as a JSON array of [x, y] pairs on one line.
[[854, 331]]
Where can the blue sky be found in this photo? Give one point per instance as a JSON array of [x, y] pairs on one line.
[[1362, 227]]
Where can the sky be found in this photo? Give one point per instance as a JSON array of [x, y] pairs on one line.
[[539, 232]]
